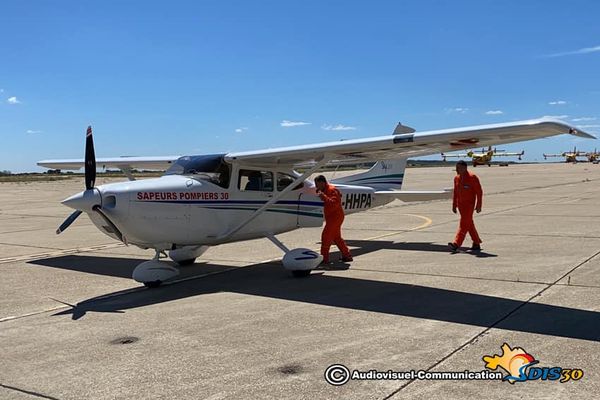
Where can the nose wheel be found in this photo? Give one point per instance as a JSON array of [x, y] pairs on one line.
[[154, 272]]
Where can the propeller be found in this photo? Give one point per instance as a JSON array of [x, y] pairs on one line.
[[90, 160], [89, 199], [68, 221]]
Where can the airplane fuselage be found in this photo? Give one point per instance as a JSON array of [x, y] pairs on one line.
[[174, 210]]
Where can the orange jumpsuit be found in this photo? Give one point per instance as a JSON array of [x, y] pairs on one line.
[[334, 217], [468, 196]]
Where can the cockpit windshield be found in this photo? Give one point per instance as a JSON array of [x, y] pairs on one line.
[[208, 167]]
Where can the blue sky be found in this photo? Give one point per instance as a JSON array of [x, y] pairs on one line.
[[181, 77]]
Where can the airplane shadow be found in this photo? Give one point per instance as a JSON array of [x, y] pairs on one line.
[[116, 266], [270, 280]]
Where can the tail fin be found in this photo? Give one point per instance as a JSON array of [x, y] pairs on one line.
[[384, 175]]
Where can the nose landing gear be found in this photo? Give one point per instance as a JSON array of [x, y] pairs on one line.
[[154, 272]]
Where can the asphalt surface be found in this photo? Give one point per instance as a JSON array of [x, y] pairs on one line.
[[73, 324]]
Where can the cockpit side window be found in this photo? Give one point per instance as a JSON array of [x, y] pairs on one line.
[[212, 168], [254, 180], [284, 180]]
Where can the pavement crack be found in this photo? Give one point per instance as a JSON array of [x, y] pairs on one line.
[[29, 392], [492, 326]]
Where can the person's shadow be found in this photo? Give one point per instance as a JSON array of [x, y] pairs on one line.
[[363, 247]]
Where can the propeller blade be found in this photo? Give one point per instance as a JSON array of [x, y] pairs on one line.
[[112, 226], [90, 160], [68, 221]]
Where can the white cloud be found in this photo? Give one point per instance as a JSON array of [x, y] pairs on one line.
[[461, 110], [582, 119], [338, 127], [494, 112], [557, 103], [555, 116], [588, 126], [242, 129], [13, 100], [32, 131], [290, 124], [584, 50]]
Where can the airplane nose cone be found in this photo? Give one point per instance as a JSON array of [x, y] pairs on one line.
[[84, 201]]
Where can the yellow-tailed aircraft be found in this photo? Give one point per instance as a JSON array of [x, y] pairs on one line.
[[593, 156], [483, 157], [569, 156]]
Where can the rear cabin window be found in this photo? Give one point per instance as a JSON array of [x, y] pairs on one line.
[[257, 181], [284, 180]]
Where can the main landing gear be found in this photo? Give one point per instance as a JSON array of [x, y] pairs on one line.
[[298, 261]]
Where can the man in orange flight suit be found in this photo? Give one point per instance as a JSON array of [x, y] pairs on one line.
[[334, 217], [468, 196]]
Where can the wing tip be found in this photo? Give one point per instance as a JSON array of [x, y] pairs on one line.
[[568, 129]]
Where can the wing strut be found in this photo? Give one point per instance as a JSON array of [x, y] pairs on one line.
[[128, 172], [276, 198]]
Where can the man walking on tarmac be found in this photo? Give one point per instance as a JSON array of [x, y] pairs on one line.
[[467, 198], [334, 217]]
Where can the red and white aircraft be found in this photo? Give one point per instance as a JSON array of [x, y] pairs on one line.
[[207, 200]]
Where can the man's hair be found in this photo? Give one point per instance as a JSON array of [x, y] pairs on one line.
[[462, 162], [321, 178]]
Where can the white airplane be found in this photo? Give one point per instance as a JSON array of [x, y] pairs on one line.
[[207, 200]]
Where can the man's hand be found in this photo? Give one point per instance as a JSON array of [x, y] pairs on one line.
[[478, 209], [454, 210]]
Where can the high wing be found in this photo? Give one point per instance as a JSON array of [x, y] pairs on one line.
[[407, 145], [505, 154], [359, 150], [553, 155], [123, 163], [462, 155]]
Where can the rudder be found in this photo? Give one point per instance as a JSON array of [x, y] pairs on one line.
[[383, 175]]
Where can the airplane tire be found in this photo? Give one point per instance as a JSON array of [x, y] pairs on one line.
[[153, 284], [189, 261], [301, 273]]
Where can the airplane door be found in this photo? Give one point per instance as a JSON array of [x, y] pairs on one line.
[[254, 188], [309, 211]]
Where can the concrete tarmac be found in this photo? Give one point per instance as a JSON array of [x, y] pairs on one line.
[[236, 325]]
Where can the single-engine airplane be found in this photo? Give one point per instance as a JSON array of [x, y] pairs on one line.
[[207, 200], [483, 157]]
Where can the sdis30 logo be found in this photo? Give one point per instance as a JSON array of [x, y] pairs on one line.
[[520, 367]]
